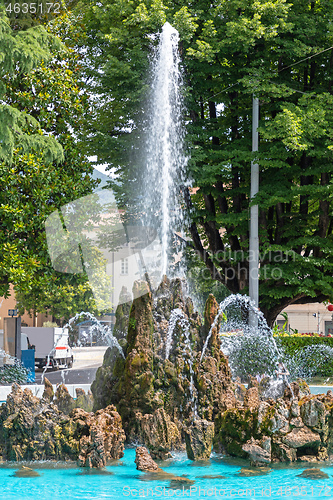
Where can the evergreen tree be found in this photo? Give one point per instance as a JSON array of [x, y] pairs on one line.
[[20, 52]]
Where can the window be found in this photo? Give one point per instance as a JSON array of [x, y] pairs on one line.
[[124, 266], [280, 323]]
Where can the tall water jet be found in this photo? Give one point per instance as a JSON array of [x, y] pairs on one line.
[[166, 161]]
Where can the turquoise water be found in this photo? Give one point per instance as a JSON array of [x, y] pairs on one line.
[[124, 481]]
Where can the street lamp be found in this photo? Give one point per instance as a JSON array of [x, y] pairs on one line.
[[254, 219]]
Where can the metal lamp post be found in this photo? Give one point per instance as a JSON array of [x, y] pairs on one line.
[[254, 216]]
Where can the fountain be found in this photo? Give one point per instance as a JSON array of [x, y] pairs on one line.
[[168, 374], [248, 348], [164, 172], [104, 332]]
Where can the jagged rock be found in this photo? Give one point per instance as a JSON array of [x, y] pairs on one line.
[[295, 409], [83, 400], [259, 452], [146, 382], [301, 437], [233, 428], [240, 391], [296, 422], [34, 429], [163, 383], [292, 391], [48, 393], [143, 460], [279, 422], [313, 413], [65, 403], [263, 412], [313, 474], [266, 444], [251, 398], [26, 472], [308, 458], [146, 464], [304, 389], [283, 453], [63, 399], [229, 400], [159, 434], [103, 439], [322, 454], [199, 437]]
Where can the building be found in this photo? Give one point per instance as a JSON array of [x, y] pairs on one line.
[[27, 320], [307, 318]]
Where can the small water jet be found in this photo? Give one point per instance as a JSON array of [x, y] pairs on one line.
[[13, 370], [97, 326], [236, 333], [177, 316]]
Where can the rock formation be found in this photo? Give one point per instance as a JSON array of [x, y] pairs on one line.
[[199, 437], [102, 437], [286, 429], [167, 395], [162, 386], [35, 429], [144, 461], [64, 401]]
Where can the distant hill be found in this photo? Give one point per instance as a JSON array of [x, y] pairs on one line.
[[105, 195]]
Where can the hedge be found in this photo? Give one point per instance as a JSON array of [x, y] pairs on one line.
[[319, 365]]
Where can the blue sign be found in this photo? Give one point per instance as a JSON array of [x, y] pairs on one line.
[[28, 361]]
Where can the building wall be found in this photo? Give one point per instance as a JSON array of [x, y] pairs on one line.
[[10, 303], [301, 317]]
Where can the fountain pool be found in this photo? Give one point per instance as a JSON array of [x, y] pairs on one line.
[[229, 477]]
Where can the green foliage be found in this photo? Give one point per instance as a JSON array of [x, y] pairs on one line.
[[292, 343], [312, 356], [52, 94], [14, 373], [20, 52], [201, 284], [230, 50]]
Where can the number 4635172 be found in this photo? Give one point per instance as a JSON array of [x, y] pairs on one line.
[[33, 8]]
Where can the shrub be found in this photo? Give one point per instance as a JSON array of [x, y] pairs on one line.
[[312, 355]]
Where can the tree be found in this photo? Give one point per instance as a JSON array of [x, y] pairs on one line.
[[52, 95], [232, 49], [20, 52]]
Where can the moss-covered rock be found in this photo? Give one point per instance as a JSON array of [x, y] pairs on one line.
[[148, 381], [35, 429]]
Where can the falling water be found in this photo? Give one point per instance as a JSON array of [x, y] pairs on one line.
[[175, 316], [13, 370], [104, 331], [178, 316], [166, 161], [248, 348]]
